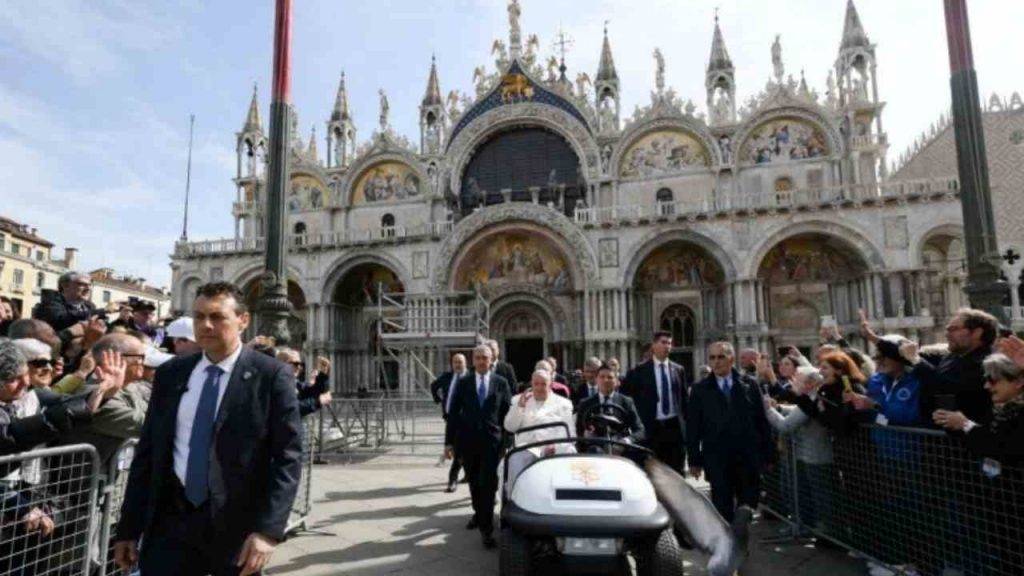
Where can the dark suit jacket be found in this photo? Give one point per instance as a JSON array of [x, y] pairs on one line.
[[255, 461], [579, 394], [475, 427], [642, 386], [632, 418], [718, 429], [506, 371], [440, 388]]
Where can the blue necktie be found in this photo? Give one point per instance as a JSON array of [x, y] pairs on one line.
[[666, 394], [197, 476], [481, 391], [727, 387]]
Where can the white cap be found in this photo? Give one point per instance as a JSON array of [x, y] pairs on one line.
[[181, 328], [155, 357]]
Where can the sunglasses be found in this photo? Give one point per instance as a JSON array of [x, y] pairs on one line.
[[41, 363], [296, 363]]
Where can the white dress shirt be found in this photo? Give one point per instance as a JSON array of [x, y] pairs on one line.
[[553, 409], [190, 402], [662, 415], [722, 381]]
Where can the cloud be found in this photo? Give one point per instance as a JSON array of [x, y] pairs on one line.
[[87, 40]]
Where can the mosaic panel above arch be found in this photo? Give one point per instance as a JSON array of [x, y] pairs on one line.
[[663, 152], [513, 257], [385, 182], [305, 193], [784, 139], [676, 266], [810, 258]]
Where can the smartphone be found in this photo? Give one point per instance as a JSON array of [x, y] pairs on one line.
[[828, 321], [1005, 332], [945, 402], [784, 351]]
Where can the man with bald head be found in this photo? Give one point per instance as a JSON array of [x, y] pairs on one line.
[[120, 417], [443, 391]]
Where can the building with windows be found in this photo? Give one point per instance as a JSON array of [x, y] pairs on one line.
[[109, 288], [27, 266], [585, 230]]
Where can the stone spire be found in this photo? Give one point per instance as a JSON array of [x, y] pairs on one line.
[[433, 95], [311, 152], [252, 119], [719, 60], [853, 31], [341, 102], [606, 69]]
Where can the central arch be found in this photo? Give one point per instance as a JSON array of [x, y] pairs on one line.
[[527, 329], [518, 159]]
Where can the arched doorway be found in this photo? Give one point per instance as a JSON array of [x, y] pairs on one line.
[[680, 321], [353, 326], [253, 291], [678, 287], [806, 279], [518, 160], [942, 258], [523, 331]]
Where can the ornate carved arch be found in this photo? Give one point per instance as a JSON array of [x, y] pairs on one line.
[[343, 264], [374, 158], [580, 254], [481, 128], [865, 249], [951, 228], [553, 316], [816, 117], [682, 123], [660, 237]]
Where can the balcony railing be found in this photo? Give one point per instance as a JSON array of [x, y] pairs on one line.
[[315, 240], [711, 202]]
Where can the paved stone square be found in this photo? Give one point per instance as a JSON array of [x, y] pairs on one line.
[[388, 514]]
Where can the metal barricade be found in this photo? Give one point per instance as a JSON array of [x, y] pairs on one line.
[[48, 500], [385, 423], [301, 505], [113, 495], [914, 500]]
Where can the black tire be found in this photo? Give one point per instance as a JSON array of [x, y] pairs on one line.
[[515, 554], [660, 557]]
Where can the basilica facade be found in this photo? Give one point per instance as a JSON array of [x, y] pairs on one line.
[[584, 230]]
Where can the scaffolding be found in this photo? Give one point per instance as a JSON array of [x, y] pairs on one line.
[[414, 329]]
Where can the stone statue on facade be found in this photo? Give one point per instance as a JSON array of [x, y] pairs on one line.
[[514, 33], [385, 108], [777, 67], [582, 84], [659, 73]]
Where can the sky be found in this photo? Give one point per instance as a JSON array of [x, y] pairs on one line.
[[95, 95]]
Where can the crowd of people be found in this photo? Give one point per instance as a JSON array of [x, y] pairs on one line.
[[729, 426], [73, 375]]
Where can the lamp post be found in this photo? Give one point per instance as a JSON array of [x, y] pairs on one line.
[[984, 288], [274, 307]]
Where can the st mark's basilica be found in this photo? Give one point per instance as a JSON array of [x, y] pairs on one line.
[[583, 229]]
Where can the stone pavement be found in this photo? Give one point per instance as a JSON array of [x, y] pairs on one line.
[[388, 514]]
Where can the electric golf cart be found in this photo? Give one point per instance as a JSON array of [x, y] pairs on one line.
[[586, 510]]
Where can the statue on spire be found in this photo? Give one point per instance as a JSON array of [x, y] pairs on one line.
[[515, 44], [777, 68], [659, 74], [384, 109]]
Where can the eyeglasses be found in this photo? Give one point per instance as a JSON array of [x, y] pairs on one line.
[[717, 356], [296, 363], [39, 363]]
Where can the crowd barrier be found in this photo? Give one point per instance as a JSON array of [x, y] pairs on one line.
[[381, 423], [914, 500], [82, 497], [48, 503]]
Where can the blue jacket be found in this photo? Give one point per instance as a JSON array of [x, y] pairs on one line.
[[900, 404]]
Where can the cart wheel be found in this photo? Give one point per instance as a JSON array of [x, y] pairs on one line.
[[515, 554], [660, 557]]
